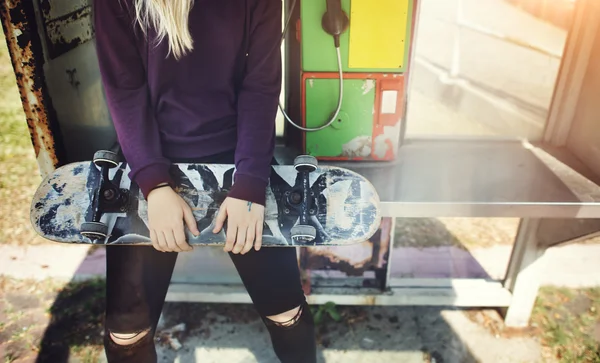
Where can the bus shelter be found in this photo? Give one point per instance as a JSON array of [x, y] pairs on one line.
[[446, 111]]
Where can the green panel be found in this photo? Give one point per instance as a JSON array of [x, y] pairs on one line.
[[354, 125], [318, 50]]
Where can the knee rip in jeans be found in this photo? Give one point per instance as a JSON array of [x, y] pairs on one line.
[[283, 320], [128, 339]]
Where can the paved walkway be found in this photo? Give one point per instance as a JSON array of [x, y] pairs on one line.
[[374, 334], [573, 265], [378, 334]]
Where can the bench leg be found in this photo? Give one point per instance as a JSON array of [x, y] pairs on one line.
[[523, 274]]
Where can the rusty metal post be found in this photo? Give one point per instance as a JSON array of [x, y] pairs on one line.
[[26, 53]]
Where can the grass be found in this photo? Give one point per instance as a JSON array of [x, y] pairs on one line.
[[463, 233], [20, 174], [569, 323]]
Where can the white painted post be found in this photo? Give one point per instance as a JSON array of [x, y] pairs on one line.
[[523, 274]]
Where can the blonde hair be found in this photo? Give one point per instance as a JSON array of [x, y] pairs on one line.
[[170, 19]]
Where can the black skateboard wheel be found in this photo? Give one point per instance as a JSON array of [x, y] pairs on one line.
[[94, 230], [305, 163], [303, 233], [106, 157]]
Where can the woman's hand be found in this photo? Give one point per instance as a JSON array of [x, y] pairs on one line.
[[244, 225], [167, 212]]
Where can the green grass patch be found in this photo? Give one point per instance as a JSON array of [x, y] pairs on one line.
[[14, 137], [569, 321], [20, 174]]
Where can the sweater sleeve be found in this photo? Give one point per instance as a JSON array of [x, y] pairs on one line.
[[125, 86], [257, 103]]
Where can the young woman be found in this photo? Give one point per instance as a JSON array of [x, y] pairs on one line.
[[197, 82]]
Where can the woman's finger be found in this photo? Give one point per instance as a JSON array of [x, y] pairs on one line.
[[242, 230], [155, 240], [162, 241], [220, 220], [259, 232], [250, 232], [169, 238], [190, 221], [231, 234], [180, 239]]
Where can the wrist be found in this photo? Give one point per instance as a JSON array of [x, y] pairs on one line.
[[159, 187], [152, 176], [249, 188]]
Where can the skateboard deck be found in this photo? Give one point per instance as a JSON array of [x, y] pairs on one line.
[[94, 202]]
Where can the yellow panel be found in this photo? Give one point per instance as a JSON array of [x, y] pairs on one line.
[[377, 33]]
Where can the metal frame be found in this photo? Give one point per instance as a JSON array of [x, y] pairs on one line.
[[460, 293], [522, 277], [21, 29], [575, 61]]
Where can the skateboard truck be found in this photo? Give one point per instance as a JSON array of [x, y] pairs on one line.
[[302, 200], [107, 197]]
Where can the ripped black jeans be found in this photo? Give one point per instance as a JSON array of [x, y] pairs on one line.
[[138, 278]]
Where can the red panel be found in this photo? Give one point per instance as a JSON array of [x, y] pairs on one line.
[[384, 82], [386, 120]]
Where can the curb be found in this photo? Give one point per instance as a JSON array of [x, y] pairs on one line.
[[509, 117]]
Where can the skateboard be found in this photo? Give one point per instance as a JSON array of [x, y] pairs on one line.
[[95, 202]]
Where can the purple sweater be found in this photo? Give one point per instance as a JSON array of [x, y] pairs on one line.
[[210, 101]]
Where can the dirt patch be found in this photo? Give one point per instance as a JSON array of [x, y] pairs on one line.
[[175, 313], [50, 321], [492, 321], [579, 304], [204, 316]]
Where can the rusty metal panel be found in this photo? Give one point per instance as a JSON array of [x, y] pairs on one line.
[[55, 9], [25, 48], [67, 24], [72, 76], [364, 263], [59, 79]]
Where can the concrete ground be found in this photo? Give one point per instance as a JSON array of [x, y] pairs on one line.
[[379, 334], [574, 265]]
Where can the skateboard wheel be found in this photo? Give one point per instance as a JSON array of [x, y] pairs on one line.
[[303, 233], [94, 230], [305, 163], [106, 157]]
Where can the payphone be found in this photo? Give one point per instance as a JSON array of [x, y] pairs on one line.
[[352, 87]]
